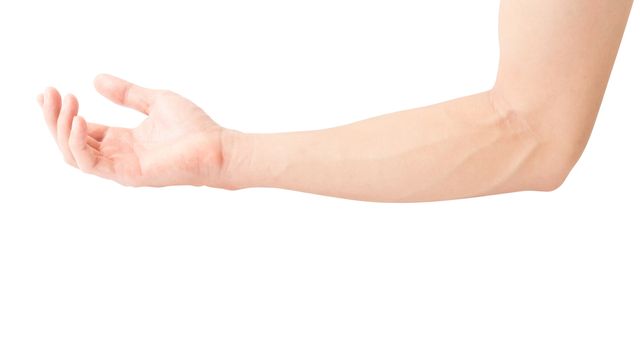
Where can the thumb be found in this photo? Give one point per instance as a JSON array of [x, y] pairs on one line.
[[125, 93]]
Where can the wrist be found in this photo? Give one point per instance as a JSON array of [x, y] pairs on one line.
[[234, 152], [253, 160]]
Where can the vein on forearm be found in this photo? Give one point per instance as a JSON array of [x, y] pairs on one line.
[[459, 148]]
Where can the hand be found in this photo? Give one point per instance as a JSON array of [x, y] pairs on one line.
[[177, 144]]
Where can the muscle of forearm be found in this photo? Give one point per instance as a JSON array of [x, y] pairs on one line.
[[455, 149], [524, 134]]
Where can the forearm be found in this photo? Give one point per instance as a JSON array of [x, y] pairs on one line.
[[525, 134], [456, 149]]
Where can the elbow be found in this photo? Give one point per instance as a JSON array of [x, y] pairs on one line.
[[555, 139], [551, 178], [551, 185], [554, 158]]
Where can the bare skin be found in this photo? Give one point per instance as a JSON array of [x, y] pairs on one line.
[[178, 144], [526, 133]]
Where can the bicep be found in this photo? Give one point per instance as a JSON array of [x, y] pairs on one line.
[[555, 61]]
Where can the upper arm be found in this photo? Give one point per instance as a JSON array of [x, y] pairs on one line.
[[555, 61]]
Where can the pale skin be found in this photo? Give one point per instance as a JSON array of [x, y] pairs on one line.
[[525, 134]]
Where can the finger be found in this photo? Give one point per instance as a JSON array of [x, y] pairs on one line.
[[125, 93], [68, 111], [51, 109], [87, 158], [78, 145], [97, 131], [40, 100], [93, 143]]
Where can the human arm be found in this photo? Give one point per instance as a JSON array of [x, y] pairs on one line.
[[524, 134]]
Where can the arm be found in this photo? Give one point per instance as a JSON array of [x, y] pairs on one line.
[[524, 134]]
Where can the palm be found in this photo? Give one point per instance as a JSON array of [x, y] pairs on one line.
[[177, 144]]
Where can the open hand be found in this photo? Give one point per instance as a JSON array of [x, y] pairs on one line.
[[177, 144]]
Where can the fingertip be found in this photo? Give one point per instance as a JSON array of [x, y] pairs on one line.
[[51, 91], [71, 99], [52, 99], [102, 79], [105, 84], [78, 130], [99, 78], [51, 108], [103, 76]]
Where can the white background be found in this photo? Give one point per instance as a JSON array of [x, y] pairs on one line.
[[88, 264]]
